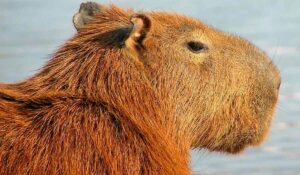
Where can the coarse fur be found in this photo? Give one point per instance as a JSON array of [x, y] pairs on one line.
[[126, 95]]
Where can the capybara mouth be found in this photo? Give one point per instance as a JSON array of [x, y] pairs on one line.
[[244, 131], [260, 134]]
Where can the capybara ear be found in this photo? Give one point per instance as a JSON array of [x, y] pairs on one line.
[[141, 26], [86, 11]]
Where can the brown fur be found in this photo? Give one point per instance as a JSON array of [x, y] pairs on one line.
[[106, 105]]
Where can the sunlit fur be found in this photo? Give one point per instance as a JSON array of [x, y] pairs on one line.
[[98, 108]]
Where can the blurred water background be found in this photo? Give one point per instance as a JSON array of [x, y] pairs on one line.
[[30, 30]]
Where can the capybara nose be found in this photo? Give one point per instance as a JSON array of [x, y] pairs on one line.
[[276, 78], [278, 83]]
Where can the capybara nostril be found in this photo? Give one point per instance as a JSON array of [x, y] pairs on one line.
[[278, 83]]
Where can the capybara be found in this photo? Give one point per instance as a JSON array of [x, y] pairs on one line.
[[133, 93]]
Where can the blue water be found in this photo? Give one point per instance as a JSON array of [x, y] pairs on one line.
[[30, 30]]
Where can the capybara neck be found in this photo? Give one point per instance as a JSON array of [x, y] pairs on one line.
[[123, 120]]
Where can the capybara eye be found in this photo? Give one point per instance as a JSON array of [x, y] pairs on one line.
[[196, 47]]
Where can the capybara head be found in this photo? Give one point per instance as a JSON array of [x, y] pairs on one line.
[[222, 89]]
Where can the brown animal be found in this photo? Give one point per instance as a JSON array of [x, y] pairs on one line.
[[132, 93]]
